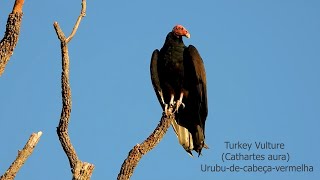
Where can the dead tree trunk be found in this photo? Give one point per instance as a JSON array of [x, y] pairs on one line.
[[10, 39], [80, 170]]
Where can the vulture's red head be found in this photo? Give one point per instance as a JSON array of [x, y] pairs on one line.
[[179, 30]]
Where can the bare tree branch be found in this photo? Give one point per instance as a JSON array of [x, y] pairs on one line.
[[10, 39], [18, 6], [80, 170], [139, 150], [22, 157], [82, 14]]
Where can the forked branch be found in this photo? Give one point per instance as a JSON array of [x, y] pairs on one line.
[[80, 170], [10, 39], [23, 155], [139, 150]]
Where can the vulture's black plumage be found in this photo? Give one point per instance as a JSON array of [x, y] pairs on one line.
[[178, 77]]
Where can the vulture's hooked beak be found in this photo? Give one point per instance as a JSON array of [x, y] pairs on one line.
[[188, 35]]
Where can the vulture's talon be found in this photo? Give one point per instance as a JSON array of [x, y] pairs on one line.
[[178, 104], [168, 109], [183, 105]]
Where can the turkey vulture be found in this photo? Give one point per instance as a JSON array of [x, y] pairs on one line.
[[179, 80]]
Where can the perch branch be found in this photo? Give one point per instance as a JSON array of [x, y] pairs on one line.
[[80, 170], [139, 150], [10, 39], [23, 155]]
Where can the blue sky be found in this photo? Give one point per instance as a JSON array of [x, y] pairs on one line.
[[262, 61]]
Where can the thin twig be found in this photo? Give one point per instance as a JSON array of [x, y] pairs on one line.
[[82, 14], [80, 170], [11, 36], [23, 155], [139, 150]]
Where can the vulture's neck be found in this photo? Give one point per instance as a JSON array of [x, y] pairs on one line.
[[173, 40]]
